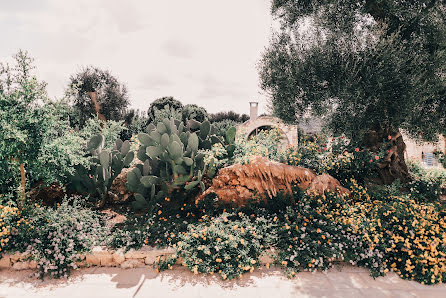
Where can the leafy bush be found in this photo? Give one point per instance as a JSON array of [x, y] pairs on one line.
[[221, 116], [14, 225], [427, 183], [60, 235], [221, 127], [340, 161], [194, 112], [169, 104], [54, 237], [265, 144], [229, 247], [309, 240]]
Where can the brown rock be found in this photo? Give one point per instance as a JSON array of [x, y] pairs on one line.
[[324, 183], [118, 191], [237, 184]]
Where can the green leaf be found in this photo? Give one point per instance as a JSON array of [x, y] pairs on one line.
[[144, 139], [191, 185], [95, 142], [205, 128], [129, 158], [175, 150], [161, 128], [193, 124], [230, 135], [148, 181], [125, 147], [188, 161], [153, 151], [118, 144], [104, 158], [192, 142], [165, 140]]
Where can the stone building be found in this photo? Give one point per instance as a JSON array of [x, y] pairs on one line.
[[289, 133], [423, 152]]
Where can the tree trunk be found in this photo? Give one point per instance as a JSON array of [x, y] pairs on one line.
[[22, 183], [94, 98], [393, 165]]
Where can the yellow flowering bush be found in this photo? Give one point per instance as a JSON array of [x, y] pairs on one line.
[[12, 225], [411, 235]]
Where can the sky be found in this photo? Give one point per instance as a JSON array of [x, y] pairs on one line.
[[198, 51]]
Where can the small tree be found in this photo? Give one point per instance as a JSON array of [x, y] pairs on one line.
[[97, 92], [373, 67], [20, 117], [160, 104], [192, 111]]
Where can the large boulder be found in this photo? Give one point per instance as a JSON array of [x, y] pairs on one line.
[[238, 184]]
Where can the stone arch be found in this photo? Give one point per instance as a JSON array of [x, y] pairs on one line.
[[288, 131]]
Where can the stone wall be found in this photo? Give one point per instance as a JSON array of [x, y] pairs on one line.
[[103, 257]]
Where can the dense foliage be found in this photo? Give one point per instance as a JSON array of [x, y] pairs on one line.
[[112, 97]]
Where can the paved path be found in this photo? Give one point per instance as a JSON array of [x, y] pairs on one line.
[[178, 283]]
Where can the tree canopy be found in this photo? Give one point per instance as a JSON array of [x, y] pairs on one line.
[[368, 65], [112, 97]]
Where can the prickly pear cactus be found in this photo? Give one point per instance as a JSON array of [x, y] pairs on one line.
[[172, 160], [106, 165]]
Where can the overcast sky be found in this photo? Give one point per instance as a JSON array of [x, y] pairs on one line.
[[199, 51]]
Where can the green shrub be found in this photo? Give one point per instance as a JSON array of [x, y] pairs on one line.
[[309, 240], [340, 161], [265, 143], [427, 183], [61, 234], [228, 247]]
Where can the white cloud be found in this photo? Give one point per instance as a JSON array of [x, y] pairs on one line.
[[199, 51]]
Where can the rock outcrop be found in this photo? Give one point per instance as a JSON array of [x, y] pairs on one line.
[[238, 184]]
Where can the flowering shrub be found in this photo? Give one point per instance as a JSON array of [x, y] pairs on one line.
[[309, 240], [12, 228], [336, 158], [410, 235], [229, 247], [61, 235]]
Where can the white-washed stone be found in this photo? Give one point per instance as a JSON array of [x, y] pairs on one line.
[[5, 261], [107, 260], [92, 260], [118, 257], [131, 263], [21, 265], [18, 256], [32, 264]]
